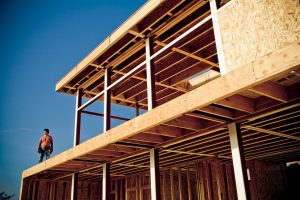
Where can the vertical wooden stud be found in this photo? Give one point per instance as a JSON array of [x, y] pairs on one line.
[[180, 184], [172, 183], [239, 165], [188, 180]]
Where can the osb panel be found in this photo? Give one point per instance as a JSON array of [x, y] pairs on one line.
[[251, 29]]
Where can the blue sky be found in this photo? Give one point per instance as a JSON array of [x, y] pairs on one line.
[[40, 41]]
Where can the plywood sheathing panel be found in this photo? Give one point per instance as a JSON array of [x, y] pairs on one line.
[[249, 75], [251, 29]]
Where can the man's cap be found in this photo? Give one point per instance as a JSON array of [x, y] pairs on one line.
[[47, 130]]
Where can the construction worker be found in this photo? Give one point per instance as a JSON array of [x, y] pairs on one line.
[[45, 145]]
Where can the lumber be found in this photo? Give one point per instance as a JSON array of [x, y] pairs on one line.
[[247, 76]]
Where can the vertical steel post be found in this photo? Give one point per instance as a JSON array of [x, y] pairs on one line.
[[74, 186], [77, 118], [218, 38], [137, 109], [74, 183], [107, 100], [150, 71], [154, 174], [106, 182], [239, 165]]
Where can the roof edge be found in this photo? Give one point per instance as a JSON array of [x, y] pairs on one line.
[[143, 11]]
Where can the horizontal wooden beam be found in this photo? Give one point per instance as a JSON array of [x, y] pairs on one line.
[[272, 90], [165, 131], [271, 132], [263, 69], [238, 102]]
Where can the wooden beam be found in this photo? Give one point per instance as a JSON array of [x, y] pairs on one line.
[[154, 174], [178, 50], [238, 102], [151, 93], [272, 90], [107, 100], [106, 182], [186, 122], [165, 131], [210, 109], [239, 165], [263, 69], [77, 123], [262, 130], [145, 137], [109, 41]]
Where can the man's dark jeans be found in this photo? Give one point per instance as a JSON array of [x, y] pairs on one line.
[[43, 152]]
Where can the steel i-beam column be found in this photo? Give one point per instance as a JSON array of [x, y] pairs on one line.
[[218, 39], [107, 100], [106, 182], [239, 165], [150, 71], [77, 118], [76, 141], [74, 186], [154, 174], [137, 109]]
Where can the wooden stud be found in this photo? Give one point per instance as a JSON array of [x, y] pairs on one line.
[[150, 70], [179, 184], [239, 165], [172, 183], [154, 174], [107, 100], [106, 182], [77, 118], [188, 180]]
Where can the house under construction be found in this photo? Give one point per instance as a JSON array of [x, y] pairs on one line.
[[215, 88]]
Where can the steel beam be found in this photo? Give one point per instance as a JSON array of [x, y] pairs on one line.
[[74, 186], [107, 100], [106, 182], [239, 164], [77, 117], [150, 71], [154, 174]]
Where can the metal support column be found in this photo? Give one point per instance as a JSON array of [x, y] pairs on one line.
[[74, 186], [77, 118], [76, 141], [154, 174], [137, 109], [218, 38], [150, 71], [107, 100], [239, 165], [106, 182]]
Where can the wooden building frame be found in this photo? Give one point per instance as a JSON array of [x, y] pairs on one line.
[[205, 98]]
